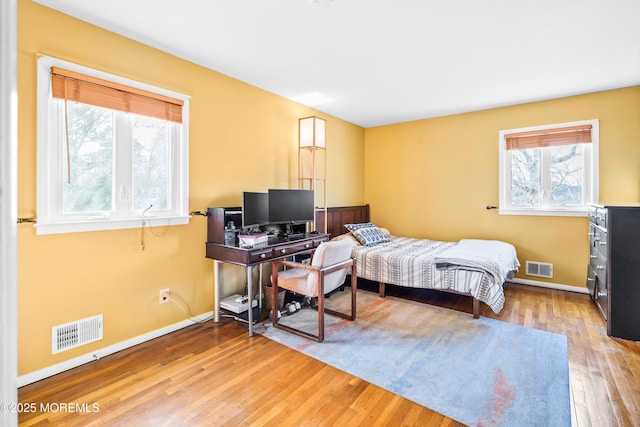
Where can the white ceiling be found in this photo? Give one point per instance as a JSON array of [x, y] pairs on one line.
[[390, 61]]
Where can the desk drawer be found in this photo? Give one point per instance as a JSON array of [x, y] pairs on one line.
[[284, 250], [259, 255]]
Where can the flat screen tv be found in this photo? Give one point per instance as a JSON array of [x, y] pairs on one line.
[[291, 206], [255, 209]]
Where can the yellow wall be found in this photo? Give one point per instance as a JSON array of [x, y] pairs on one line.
[[433, 178], [241, 139]]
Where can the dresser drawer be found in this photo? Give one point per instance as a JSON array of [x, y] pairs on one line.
[[599, 241], [598, 215], [591, 213], [599, 267], [591, 280], [601, 217]]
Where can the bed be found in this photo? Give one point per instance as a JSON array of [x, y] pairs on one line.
[[473, 267]]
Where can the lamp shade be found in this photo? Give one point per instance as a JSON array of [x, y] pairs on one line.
[[312, 132]]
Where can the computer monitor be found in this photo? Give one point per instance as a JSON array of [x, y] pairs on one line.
[[291, 206], [255, 209]]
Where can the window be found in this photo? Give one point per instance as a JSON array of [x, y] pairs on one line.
[[549, 170], [112, 153]]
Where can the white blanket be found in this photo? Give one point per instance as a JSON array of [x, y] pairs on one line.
[[494, 257]]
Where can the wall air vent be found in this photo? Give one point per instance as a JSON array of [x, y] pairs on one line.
[[540, 269], [75, 334]]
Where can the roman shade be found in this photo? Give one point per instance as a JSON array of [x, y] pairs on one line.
[[549, 137], [73, 86]]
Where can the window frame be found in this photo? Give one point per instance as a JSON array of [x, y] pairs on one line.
[[49, 184], [591, 171]]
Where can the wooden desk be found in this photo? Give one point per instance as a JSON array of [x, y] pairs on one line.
[[250, 257]]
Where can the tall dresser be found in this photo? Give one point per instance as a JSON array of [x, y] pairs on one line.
[[613, 275]]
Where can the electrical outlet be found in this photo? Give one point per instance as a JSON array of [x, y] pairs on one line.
[[164, 296]]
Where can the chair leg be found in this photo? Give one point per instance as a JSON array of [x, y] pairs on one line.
[[274, 295], [354, 288], [321, 310]]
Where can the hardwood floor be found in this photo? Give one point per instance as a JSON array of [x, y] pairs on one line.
[[213, 374]]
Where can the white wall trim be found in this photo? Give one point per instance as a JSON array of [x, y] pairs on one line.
[[8, 209], [98, 354], [558, 286]]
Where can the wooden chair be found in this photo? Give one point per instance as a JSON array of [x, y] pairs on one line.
[[327, 272]]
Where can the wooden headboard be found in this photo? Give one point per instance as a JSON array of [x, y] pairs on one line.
[[338, 217]]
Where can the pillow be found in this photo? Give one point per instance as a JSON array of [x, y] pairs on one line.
[[347, 236], [385, 231], [367, 233]]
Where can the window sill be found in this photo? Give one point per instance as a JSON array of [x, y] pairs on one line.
[[544, 212], [107, 224]]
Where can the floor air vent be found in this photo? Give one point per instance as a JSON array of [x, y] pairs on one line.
[[75, 334], [540, 269]]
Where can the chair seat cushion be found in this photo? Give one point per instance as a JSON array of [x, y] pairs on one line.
[[295, 280]]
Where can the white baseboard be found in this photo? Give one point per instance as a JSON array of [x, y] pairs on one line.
[[98, 354], [550, 285]]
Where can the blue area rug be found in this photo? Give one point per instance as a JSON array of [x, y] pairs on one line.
[[480, 372]]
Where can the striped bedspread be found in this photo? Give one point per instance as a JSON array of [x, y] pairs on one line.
[[411, 262]]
